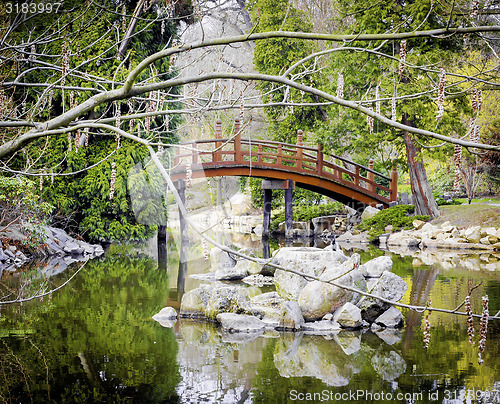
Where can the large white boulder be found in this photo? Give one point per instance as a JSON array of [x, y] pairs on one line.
[[319, 298]]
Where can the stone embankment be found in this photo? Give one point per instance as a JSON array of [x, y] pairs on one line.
[[298, 303], [57, 252], [445, 236]]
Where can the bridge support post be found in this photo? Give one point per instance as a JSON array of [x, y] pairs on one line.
[[289, 210], [181, 189], [266, 221]]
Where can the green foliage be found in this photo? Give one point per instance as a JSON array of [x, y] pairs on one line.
[[444, 202], [304, 213], [21, 203], [490, 161], [300, 196], [84, 197], [275, 56], [397, 216]]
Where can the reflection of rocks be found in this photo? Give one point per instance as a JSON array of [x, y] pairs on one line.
[[390, 336], [350, 342], [58, 251], [389, 365], [449, 260], [198, 332], [333, 359], [314, 356]]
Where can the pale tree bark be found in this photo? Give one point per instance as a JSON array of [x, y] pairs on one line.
[[424, 201]]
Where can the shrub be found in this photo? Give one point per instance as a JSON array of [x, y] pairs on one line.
[[304, 213], [397, 216], [20, 204]]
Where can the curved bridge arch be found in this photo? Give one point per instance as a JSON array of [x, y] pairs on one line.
[[307, 166]]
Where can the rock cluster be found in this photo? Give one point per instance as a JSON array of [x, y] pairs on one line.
[[310, 305], [59, 250], [427, 235]]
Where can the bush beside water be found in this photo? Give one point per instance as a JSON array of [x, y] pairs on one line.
[[304, 213], [400, 217]]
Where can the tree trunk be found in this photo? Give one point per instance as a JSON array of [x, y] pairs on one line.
[[424, 201]]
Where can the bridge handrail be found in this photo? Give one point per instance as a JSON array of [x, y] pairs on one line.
[[299, 158], [287, 147]]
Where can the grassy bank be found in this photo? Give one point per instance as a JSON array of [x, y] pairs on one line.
[[475, 214]]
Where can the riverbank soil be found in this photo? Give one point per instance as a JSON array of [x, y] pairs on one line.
[[476, 214]]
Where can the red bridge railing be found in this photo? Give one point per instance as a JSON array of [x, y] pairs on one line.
[[297, 158]]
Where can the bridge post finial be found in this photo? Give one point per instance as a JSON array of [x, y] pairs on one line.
[[370, 176], [394, 182], [300, 136], [218, 129], [237, 141]]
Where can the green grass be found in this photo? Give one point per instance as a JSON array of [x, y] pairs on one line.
[[480, 200], [475, 214]]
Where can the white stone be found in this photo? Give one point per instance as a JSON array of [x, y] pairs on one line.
[[240, 322], [167, 317], [389, 286], [319, 298], [369, 212], [376, 267], [391, 318], [348, 316]]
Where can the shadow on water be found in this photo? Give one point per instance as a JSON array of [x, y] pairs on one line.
[[95, 340]]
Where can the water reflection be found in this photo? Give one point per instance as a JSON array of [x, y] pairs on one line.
[[95, 341]]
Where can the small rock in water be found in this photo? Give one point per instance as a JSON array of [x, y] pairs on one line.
[[166, 317]]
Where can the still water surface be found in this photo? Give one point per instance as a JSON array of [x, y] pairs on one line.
[[95, 341]]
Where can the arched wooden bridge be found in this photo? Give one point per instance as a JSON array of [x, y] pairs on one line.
[[308, 167]]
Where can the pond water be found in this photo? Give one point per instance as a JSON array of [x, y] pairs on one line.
[[94, 340]]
